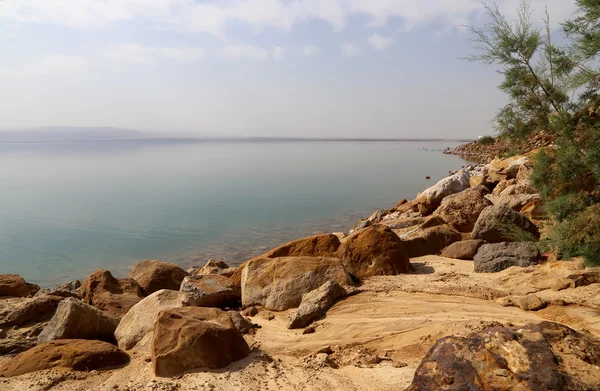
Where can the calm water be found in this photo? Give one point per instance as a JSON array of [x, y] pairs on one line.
[[68, 209]]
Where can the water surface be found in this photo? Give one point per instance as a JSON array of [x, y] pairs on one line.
[[68, 209]]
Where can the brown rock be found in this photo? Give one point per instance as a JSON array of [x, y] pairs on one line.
[[535, 210], [406, 206], [312, 246], [536, 357], [279, 283], [79, 355], [193, 338], [13, 285], [153, 276], [316, 303], [374, 251], [432, 197], [461, 210], [74, 319], [111, 295], [430, 241], [466, 249], [212, 290], [212, 267], [503, 185], [37, 309]]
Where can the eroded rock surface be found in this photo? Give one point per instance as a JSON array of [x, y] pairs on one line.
[[153, 276]]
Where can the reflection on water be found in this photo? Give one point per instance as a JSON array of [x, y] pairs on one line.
[[68, 209]]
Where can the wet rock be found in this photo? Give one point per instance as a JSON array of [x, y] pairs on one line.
[[466, 249], [111, 295], [74, 319], [79, 355], [461, 210], [212, 290], [544, 356], [430, 199], [279, 283], [315, 304], [13, 285], [375, 251], [501, 224], [153, 276], [493, 258], [135, 329], [430, 241], [192, 338]]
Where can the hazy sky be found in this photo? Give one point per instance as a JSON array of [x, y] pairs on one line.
[[374, 68]]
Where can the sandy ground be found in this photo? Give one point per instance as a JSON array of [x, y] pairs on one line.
[[375, 338]]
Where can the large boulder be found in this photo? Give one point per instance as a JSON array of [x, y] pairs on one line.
[[430, 241], [514, 202], [74, 319], [466, 249], [135, 329], [37, 309], [279, 283], [156, 275], [312, 246], [315, 304], [536, 357], [502, 224], [374, 251], [461, 210], [76, 354], [111, 295], [492, 258], [192, 338], [508, 168], [431, 198], [13, 285], [212, 290]]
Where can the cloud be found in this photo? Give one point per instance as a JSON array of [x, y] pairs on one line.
[[245, 52], [133, 53], [278, 53], [350, 50], [52, 64], [310, 50], [380, 43], [214, 16]]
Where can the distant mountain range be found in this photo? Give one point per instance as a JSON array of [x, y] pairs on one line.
[[57, 134]]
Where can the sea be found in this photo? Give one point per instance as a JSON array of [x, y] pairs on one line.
[[67, 209]]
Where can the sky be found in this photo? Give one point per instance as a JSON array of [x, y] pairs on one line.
[[282, 68]]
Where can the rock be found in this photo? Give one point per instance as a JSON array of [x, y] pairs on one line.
[[500, 223], [430, 199], [476, 180], [69, 286], [315, 304], [375, 251], [79, 355], [465, 250], [492, 258], [212, 290], [364, 223], [13, 285], [544, 356], [519, 188], [405, 206], [377, 216], [279, 283], [74, 319], [503, 185], [111, 295], [500, 169], [37, 309], [153, 276], [14, 340], [535, 210], [312, 246], [135, 329], [212, 267], [461, 210], [192, 338], [514, 202], [240, 323], [250, 311], [430, 241], [531, 303]]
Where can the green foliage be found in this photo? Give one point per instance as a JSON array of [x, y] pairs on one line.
[[567, 205], [516, 233], [486, 140], [579, 236]]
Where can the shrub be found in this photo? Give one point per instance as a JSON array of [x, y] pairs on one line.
[[579, 236], [486, 140]]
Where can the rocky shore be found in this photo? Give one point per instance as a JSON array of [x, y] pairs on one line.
[[448, 291]]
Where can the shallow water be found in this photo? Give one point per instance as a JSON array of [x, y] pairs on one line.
[[68, 209]]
